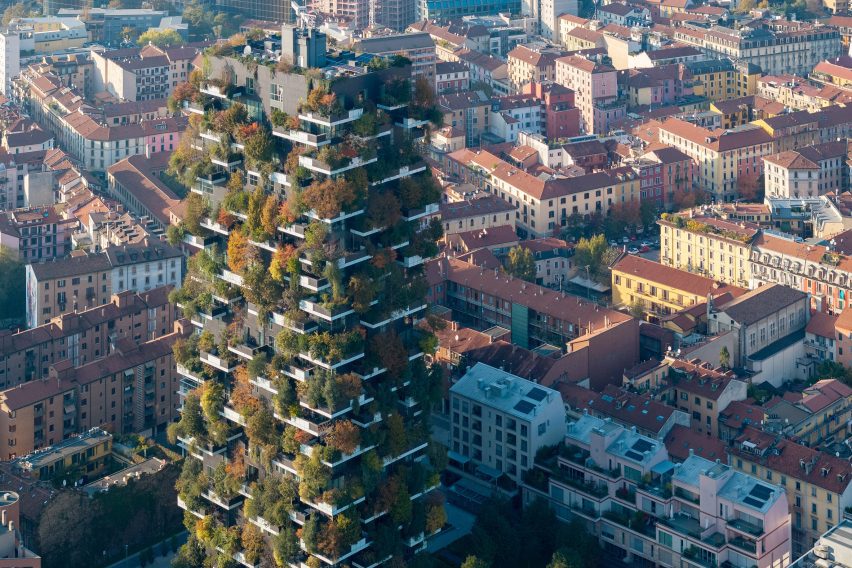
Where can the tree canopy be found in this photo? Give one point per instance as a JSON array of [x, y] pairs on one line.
[[160, 38], [521, 264]]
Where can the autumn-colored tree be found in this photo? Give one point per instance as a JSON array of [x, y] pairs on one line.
[[750, 187], [280, 260], [253, 543], [196, 209], [240, 252], [329, 197], [349, 385], [226, 219], [181, 93], [362, 290], [344, 436], [229, 119], [242, 395], [269, 215]]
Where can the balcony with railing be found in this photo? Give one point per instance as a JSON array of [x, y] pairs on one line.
[[302, 137], [330, 120], [746, 527]]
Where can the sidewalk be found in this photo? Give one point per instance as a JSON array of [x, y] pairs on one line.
[[132, 560]]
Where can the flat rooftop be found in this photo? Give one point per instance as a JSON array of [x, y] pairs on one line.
[[504, 391]]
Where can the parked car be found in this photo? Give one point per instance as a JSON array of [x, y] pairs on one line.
[[633, 250], [644, 248], [625, 240]]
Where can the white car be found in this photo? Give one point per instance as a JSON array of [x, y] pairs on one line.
[[633, 250]]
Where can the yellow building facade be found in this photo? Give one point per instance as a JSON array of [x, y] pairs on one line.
[[707, 245]]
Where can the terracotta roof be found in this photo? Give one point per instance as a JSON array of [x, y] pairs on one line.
[[717, 140], [790, 459], [502, 235], [138, 175], [574, 19], [671, 278], [536, 58], [543, 300], [821, 324], [680, 440], [586, 35], [741, 413], [545, 244], [68, 323], [513, 359], [672, 52], [699, 378], [824, 393]]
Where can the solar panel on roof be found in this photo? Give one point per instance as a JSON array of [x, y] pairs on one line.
[[753, 502], [634, 455], [537, 394], [643, 446], [524, 406], [760, 492]]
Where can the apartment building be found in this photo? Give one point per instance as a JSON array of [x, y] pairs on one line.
[[419, 48], [544, 204], [529, 64], [135, 181], [596, 90], [561, 118], [467, 111], [553, 258], [817, 483], [724, 159], [639, 411], [814, 269], [708, 245], [623, 14], [794, 92], [133, 389], [818, 415], [551, 317], [486, 69], [36, 233], [87, 280], [661, 290], [769, 327], [500, 420], [702, 391], [482, 213], [84, 336], [776, 46], [89, 452], [142, 74], [92, 138], [623, 487], [807, 172], [13, 554], [716, 79], [451, 76]]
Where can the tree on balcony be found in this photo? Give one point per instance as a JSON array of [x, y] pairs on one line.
[[272, 499], [391, 353], [241, 253], [262, 289], [252, 543], [191, 423], [327, 198], [284, 261], [362, 290], [227, 121], [225, 485], [191, 484], [243, 398], [418, 191], [383, 209], [183, 92], [258, 147], [344, 436], [314, 476], [396, 91], [322, 102], [285, 546], [436, 514], [396, 441]]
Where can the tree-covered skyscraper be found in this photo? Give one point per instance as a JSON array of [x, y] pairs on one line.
[[305, 394]]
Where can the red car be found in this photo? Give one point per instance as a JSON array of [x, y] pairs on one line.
[[644, 248]]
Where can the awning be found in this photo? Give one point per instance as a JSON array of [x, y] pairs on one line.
[[457, 457], [489, 472]]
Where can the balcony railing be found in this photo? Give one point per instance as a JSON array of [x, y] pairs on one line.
[[745, 526]]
